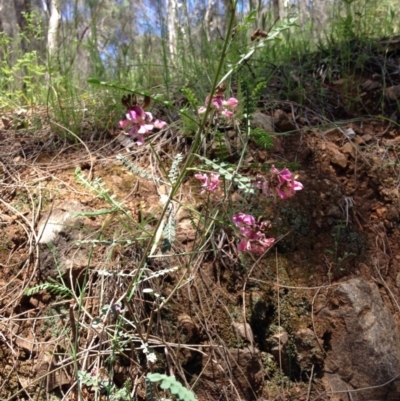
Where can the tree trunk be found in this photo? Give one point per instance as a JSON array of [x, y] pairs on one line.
[[8, 19], [275, 6], [172, 15], [54, 23]]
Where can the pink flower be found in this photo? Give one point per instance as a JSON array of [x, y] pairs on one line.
[[281, 183], [254, 239], [231, 103], [139, 123], [241, 219], [222, 106], [159, 124], [258, 244], [208, 183]]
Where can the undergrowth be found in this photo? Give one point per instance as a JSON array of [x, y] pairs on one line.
[[120, 305]]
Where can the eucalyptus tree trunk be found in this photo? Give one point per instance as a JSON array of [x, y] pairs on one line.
[[54, 23], [276, 8], [208, 17], [172, 22]]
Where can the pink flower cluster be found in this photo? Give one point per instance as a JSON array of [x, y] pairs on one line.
[[222, 106], [254, 239], [281, 183], [209, 183], [140, 123]]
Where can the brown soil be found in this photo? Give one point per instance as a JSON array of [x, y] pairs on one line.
[[343, 224]]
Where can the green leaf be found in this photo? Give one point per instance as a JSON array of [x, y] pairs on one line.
[[165, 384], [94, 81], [176, 388], [155, 377]]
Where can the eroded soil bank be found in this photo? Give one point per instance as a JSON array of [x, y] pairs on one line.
[[317, 318]]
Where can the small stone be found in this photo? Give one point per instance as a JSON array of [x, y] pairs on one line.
[[282, 337], [359, 140], [262, 121], [244, 331], [34, 302], [381, 211], [367, 137], [393, 92], [335, 155], [348, 148], [370, 85], [334, 211], [282, 122]]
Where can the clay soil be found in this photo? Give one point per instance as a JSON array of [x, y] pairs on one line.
[[230, 326]]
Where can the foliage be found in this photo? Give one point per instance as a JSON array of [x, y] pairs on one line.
[[53, 287], [262, 138], [21, 72], [172, 385], [229, 172], [174, 171]]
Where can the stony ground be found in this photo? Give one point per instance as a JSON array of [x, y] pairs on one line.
[[292, 325]]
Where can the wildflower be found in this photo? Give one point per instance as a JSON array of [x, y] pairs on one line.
[[117, 308], [281, 183], [254, 239], [209, 183], [222, 106], [140, 123]]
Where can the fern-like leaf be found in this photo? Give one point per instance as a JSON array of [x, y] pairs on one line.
[[171, 384], [54, 288], [169, 234], [228, 172], [174, 170], [190, 96], [221, 150], [262, 138], [136, 170]]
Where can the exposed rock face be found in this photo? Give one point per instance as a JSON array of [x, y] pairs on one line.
[[362, 344]]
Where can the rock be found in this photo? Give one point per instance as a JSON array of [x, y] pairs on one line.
[[334, 211], [393, 93], [262, 121], [282, 122], [63, 230], [28, 343], [334, 134], [350, 133], [243, 330], [279, 349], [361, 341], [282, 337], [187, 328], [309, 352], [348, 149], [336, 156], [370, 85], [240, 367], [359, 140], [53, 222], [367, 137]]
